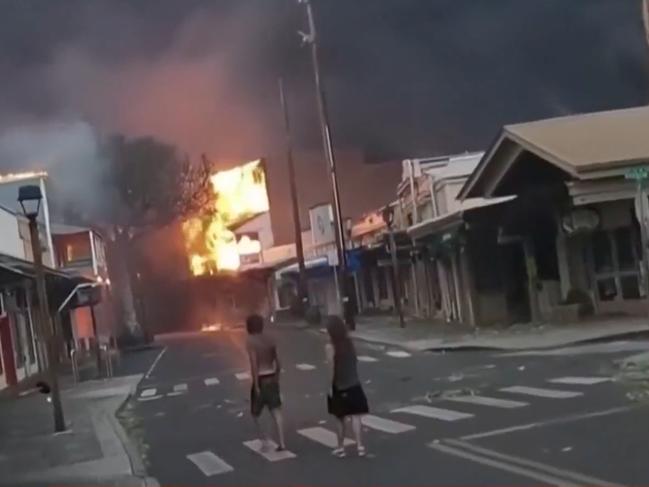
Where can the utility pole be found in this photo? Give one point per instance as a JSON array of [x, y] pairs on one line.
[[312, 39], [299, 248], [388, 218]]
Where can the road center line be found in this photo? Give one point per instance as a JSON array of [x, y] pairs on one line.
[[568, 474], [546, 479], [155, 362], [565, 419]]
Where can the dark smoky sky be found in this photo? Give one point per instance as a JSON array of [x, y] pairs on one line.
[[404, 78]]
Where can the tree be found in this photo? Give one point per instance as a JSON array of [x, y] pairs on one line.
[[152, 186]]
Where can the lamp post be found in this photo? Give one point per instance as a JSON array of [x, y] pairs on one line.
[[388, 218], [30, 198], [311, 39]]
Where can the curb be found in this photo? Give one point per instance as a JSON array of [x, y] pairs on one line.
[[476, 347], [135, 459]]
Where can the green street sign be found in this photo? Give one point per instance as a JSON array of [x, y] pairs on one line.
[[637, 173]]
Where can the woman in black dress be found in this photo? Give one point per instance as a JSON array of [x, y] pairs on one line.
[[347, 399]]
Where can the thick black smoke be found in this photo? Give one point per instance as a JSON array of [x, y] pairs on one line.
[[404, 77]]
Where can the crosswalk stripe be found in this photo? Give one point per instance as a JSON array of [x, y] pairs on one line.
[[148, 392], [180, 388], [431, 412], [323, 436], [488, 401], [385, 425], [242, 375], [540, 392], [586, 381], [367, 358], [398, 354], [304, 367], [211, 381], [208, 463], [271, 454]]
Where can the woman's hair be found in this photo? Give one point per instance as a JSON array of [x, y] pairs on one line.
[[338, 332], [254, 324]]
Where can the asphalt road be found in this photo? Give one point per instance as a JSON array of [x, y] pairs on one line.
[[548, 418]]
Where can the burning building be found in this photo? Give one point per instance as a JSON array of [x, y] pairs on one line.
[[235, 228]]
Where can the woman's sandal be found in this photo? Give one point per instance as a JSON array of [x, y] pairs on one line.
[[339, 452], [361, 451]]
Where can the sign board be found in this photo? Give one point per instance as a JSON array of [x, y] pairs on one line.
[[322, 227], [580, 220], [87, 296]]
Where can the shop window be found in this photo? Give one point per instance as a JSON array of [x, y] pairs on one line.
[[624, 245], [602, 252], [630, 287], [616, 264]]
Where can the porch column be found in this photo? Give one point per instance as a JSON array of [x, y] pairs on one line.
[[532, 278], [468, 284]]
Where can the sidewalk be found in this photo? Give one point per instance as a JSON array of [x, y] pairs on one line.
[[94, 450], [421, 335]]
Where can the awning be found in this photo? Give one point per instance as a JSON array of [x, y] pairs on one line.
[[316, 263], [454, 219], [59, 283]]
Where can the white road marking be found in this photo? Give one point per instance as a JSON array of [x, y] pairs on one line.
[[488, 401], [431, 412], [560, 473], [367, 358], [398, 353], [180, 388], [148, 392], [305, 367], [242, 375], [561, 420], [149, 398], [211, 381], [586, 381], [208, 463], [155, 362], [385, 425], [546, 479], [271, 455], [539, 392], [323, 436]]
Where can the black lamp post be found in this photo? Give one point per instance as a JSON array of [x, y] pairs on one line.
[[388, 218], [30, 198]]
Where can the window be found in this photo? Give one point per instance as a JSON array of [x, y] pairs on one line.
[[615, 262]]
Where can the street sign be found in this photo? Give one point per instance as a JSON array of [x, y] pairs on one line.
[[637, 173]]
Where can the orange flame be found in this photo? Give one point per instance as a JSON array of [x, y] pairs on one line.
[[239, 193]]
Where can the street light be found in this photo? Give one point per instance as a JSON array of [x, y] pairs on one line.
[[388, 219], [30, 198]]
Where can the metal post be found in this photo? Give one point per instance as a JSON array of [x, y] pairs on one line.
[[299, 248], [641, 199], [47, 328], [311, 39], [75, 365], [96, 345]]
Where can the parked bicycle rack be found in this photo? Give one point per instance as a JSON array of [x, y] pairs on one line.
[[108, 361]]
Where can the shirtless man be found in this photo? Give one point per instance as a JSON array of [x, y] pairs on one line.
[[264, 370]]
